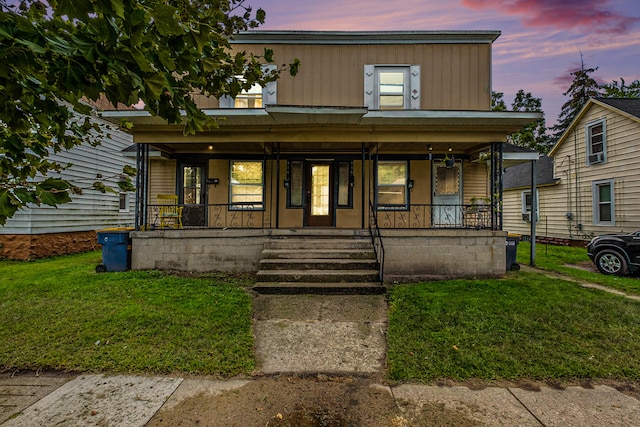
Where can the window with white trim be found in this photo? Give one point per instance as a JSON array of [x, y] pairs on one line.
[[603, 202], [256, 96], [596, 135], [246, 185], [123, 202], [392, 87], [527, 202]]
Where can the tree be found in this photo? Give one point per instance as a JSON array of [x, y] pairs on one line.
[[533, 135], [58, 55], [497, 101], [617, 89], [582, 88]]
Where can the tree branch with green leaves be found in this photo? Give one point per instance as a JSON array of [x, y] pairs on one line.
[[59, 56]]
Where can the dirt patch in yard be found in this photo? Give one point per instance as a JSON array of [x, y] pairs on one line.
[[320, 401]]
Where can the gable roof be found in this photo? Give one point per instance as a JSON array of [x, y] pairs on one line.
[[628, 107], [519, 176]]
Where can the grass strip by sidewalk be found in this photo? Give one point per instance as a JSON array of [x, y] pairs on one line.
[[523, 326], [59, 314], [562, 259]]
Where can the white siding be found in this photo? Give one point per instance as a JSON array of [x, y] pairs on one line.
[[91, 210]]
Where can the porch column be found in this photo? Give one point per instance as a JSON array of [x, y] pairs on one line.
[[142, 189], [364, 207]]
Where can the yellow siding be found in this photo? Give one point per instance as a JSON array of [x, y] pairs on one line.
[[453, 76], [573, 194], [476, 181], [162, 178]]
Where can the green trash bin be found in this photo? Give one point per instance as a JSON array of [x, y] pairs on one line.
[[116, 249], [512, 252]]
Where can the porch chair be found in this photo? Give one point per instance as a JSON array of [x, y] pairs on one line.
[[169, 213]]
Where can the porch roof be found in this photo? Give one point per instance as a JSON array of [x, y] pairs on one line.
[[277, 117]]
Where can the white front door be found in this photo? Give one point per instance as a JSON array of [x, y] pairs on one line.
[[447, 196]]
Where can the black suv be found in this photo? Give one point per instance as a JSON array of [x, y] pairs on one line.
[[617, 254]]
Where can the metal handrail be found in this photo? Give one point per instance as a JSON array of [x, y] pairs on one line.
[[376, 241]]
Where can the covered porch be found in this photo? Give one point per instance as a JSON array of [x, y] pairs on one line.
[[428, 179]]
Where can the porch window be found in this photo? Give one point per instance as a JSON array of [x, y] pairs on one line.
[[392, 87], [251, 98], [392, 185], [345, 184], [295, 175], [596, 142], [246, 185], [603, 203]]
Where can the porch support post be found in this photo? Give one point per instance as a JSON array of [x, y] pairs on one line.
[[362, 186], [142, 179], [278, 186], [534, 213], [496, 186]]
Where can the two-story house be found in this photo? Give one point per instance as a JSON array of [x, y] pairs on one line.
[[386, 129], [592, 186]]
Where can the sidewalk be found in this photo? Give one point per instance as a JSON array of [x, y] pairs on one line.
[[129, 401]]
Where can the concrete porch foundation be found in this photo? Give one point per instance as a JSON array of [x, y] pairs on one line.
[[409, 254]]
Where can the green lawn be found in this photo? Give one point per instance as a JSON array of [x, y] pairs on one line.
[[563, 260], [59, 314], [523, 326]]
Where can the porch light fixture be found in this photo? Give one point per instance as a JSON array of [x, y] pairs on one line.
[[211, 147], [410, 184], [449, 147]]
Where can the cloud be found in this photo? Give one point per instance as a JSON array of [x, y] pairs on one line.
[[584, 15]]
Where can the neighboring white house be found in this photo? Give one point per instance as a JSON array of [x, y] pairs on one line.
[[39, 231], [595, 181]]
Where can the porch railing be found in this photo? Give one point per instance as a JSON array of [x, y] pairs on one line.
[[428, 216], [252, 216], [218, 216], [376, 240]]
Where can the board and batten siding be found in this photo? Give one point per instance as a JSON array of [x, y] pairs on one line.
[[92, 209], [574, 192], [452, 76]]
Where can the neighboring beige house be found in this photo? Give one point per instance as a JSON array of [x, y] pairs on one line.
[[595, 182], [42, 231], [386, 129]]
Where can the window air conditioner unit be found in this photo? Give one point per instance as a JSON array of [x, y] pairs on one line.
[[596, 158], [526, 216]]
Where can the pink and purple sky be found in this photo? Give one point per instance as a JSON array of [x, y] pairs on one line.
[[541, 40]]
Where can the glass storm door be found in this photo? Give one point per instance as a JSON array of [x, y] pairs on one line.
[[447, 198], [319, 195], [193, 195]]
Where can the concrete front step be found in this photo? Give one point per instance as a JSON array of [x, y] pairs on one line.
[[318, 253], [318, 264], [321, 276], [313, 243], [331, 288]]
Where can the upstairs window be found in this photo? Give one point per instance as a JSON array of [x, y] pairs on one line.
[[256, 97], [392, 87], [596, 142]]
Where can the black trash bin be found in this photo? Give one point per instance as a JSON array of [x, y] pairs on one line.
[[116, 249], [512, 252]]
